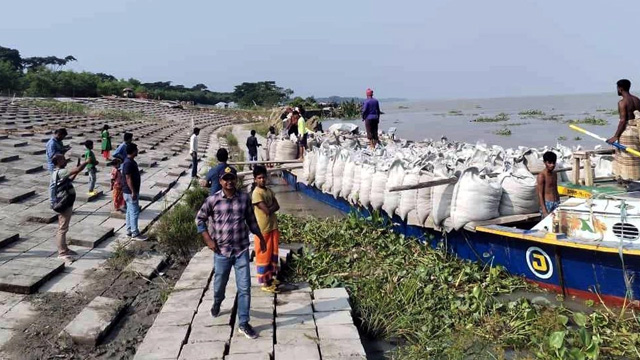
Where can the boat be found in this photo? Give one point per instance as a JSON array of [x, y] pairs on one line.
[[587, 248]]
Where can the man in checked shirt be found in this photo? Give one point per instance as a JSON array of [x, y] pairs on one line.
[[223, 220]]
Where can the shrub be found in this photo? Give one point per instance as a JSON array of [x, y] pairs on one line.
[[195, 196], [177, 233]]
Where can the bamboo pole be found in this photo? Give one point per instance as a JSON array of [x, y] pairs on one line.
[[452, 180], [266, 162], [245, 173]]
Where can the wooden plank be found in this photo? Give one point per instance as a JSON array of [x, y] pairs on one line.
[[502, 220], [245, 173], [576, 174], [266, 162], [588, 178]]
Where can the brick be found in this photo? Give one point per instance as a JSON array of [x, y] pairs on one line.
[[202, 334], [333, 318], [338, 332], [94, 320], [183, 300], [19, 317], [296, 352], [175, 318], [146, 265], [297, 336], [343, 349], [294, 308], [162, 342], [13, 194], [88, 236], [330, 293], [213, 350], [8, 237], [336, 304]]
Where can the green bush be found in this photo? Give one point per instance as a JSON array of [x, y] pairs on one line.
[[177, 233], [195, 196]]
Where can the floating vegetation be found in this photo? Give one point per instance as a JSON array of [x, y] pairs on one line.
[[577, 138], [553, 117], [455, 112], [589, 120], [436, 306], [517, 124], [532, 113], [503, 132], [611, 112], [403, 107], [562, 138], [497, 118]]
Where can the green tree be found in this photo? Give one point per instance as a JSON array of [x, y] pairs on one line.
[[12, 56], [9, 77], [264, 93]]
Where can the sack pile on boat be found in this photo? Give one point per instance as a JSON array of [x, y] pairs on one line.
[[492, 181]]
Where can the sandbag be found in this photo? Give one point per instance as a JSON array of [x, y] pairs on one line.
[[475, 198], [355, 189], [347, 178], [423, 199], [272, 149], [408, 198], [366, 181], [286, 150], [518, 193], [321, 169], [328, 183], [309, 167], [604, 166], [533, 161], [395, 178], [338, 171], [378, 185], [441, 196]]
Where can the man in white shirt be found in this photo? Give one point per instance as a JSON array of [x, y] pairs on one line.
[[193, 151]]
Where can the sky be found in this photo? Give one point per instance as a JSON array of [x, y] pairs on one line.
[[428, 49]]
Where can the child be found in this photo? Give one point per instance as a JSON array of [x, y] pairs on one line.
[[548, 185], [91, 166], [106, 142], [252, 146], [265, 206], [116, 184]]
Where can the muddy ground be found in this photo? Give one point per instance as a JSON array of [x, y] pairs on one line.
[[40, 339]]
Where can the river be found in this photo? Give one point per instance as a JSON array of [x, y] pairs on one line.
[[424, 119]]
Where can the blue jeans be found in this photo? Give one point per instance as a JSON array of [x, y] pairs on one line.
[[92, 179], [133, 211], [222, 267], [551, 205]]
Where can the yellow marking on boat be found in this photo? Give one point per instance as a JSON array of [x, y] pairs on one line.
[[577, 193], [551, 241], [541, 264]]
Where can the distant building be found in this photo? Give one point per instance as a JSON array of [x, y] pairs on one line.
[[221, 105], [232, 105], [128, 93]]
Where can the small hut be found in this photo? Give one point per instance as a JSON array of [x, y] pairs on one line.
[[128, 93]]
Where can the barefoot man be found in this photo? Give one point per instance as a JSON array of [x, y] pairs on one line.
[[548, 185], [625, 163]]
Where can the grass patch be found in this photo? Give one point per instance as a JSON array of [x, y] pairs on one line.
[[455, 112], [562, 138], [577, 138], [439, 307], [121, 256], [261, 128], [532, 113], [497, 118], [60, 107], [589, 120], [517, 124], [611, 112], [113, 114], [176, 230], [503, 132], [552, 118]]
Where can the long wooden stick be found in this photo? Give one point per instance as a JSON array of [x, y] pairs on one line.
[[452, 180], [266, 162], [245, 173]]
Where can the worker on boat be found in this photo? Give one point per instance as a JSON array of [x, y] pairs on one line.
[[626, 135], [371, 117], [548, 185]]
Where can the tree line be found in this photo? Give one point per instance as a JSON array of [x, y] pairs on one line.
[[45, 77]]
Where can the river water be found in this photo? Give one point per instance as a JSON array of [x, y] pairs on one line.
[[419, 120]]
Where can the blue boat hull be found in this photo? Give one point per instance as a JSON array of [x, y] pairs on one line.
[[587, 274]]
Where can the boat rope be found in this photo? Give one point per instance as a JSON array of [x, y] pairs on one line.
[[623, 220]]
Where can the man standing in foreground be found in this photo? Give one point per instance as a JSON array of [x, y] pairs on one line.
[[121, 150], [371, 118], [131, 190], [61, 177], [548, 185], [193, 151], [222, 220], [213, 176]]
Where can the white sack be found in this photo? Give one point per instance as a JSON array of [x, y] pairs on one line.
[[475, 198], [518, 193], [328, 183], [392, 199], [321, 169], [347, 178], [272, 149], [357, 180], [366, 180], [377, 189], [338, 171], [423, 199], [408, 198], [286, 150], [604, 166]]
